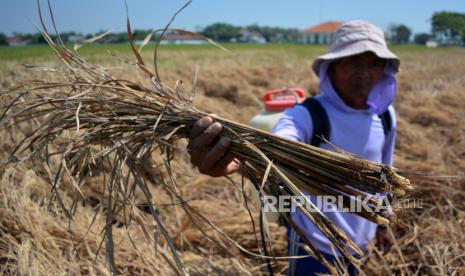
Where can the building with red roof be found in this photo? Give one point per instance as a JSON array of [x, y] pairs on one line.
[[320, 34]]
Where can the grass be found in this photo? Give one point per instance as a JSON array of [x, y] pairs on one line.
[[42, 52], [430, 140]]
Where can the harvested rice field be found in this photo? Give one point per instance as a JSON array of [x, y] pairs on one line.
[[37, 237]]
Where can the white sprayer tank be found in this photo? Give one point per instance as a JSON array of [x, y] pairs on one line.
[[276, 102]]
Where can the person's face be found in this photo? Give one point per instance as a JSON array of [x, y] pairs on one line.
[[354, 77]]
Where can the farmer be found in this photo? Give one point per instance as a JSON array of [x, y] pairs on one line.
[[357, 86]]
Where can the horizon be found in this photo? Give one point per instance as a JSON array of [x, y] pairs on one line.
[[21, 15]]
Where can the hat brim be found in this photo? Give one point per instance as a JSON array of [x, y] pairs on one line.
[[355, 49]]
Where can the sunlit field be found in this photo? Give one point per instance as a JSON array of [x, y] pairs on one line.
[[37, 238]]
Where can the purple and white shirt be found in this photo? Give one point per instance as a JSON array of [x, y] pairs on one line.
[[353, 130]]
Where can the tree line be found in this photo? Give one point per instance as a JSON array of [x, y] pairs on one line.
[[446, 28], [224, 32], [221, 32]]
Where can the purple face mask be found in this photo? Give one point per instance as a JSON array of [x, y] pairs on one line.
[[381, 96]]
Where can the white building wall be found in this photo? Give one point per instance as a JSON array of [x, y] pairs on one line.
[[316, 38]]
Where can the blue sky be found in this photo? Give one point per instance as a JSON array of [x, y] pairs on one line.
[[90, 16]]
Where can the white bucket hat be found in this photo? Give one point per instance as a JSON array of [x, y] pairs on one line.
[[356, 37]]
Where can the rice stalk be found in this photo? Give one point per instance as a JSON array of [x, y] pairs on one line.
[[93, 118]]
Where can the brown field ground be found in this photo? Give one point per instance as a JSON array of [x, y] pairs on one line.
[[37, 239]]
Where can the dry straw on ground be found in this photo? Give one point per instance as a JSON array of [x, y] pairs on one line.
[[92, 122], [429, 240]]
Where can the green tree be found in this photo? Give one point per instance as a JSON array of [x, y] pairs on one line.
[[2, 39], [121, 37], [139, 34], [38, 38], [221, 31], [448, 27], [275, 34], [400, 34], [421, 38]]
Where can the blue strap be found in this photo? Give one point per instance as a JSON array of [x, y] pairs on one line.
[[321, 127], [386, 120]]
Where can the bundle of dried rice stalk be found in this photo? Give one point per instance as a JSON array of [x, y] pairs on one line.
[[94, 118]]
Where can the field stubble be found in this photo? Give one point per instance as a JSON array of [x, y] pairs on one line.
[[37, 238]]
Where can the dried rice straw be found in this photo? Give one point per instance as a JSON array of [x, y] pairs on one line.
[[129, 121]]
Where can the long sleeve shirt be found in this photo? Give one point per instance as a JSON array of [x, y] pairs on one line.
[[356, 131]]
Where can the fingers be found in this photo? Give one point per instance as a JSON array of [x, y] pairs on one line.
[[217, 161], [200, 126], [384, 240], [226, 165], [202, 143], [388, 244], [214, 154], [385, 245], [208, 149], [206, 138]]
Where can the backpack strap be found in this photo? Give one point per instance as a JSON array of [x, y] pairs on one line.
[[320, 120], [386, 120], [321, 127]]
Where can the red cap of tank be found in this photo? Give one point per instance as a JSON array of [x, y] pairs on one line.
[[281, 99]]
